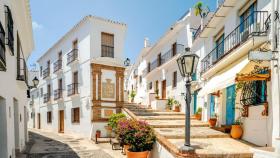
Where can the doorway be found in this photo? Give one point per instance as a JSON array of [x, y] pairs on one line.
[[163, 92], [61, 121], [3, 131], [39, 121], [230, 105], [17, 119]]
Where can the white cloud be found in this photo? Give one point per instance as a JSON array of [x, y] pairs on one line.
[[36, 26]]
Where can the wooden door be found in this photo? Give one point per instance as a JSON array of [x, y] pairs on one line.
[[174, 49], [163, 86], [61, 121], [39, 121], [212, 105]]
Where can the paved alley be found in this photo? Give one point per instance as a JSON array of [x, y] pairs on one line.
[[52, 145]]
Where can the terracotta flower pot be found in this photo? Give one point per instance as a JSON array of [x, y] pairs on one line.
[[212, 122], [98, 134], [198, 116], [125, 148], [177, 109], [143, 154], [236, 131]]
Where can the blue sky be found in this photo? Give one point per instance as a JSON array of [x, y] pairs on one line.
[[144, 18]]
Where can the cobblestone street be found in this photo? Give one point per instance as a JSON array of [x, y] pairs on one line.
[[52, 145]]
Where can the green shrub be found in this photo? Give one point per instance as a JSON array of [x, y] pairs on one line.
[[114, 119]]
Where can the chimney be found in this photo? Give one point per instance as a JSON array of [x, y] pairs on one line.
[[146, 42]]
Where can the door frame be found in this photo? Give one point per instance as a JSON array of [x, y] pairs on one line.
[[61, 121], [163, 89]]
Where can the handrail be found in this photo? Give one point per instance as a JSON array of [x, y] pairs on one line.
[[57, 65], [72, 56], [248, 27], [72, 89]]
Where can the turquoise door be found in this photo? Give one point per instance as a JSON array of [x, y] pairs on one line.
[[230, 105], [212, 105], [194, 101]]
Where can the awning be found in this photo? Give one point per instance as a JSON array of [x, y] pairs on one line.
[[227, 78]]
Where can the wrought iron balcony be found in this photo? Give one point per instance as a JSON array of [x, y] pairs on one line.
[[197, 32], [72, 56], [107, 51], [21, 70], [46, 73], [2, 49], [47, 97], [57, 65], [58, 94], [254, 25], [171, 53], [72, 89]]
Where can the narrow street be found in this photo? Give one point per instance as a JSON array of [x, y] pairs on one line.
[[52, 145]]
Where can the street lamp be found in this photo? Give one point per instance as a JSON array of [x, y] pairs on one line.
[[187, 64], [35, 83], [127, 62]]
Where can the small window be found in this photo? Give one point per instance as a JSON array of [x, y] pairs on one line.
[[140, 79], [10, 29], [49, 117], [76, 115], [150, 85], [174, 82], [41, 70], [107, 45]]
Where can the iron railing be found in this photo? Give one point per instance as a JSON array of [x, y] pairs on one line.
[[72, 89], [10, 28], [47, 97], [107, 51], [57, 65], [171, 53], [253, 25], [72, 56], [154, 65], [220, 2], [21, 70], [46, 73], [2, 49], [197, 32], [58, 94]]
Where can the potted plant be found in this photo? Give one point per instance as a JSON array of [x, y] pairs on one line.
[[198, 113], [121, 132], [112, 123], [170, 103], [157, 92], [132, 95], [213, 120], [236, 129], [177, 106], [139, 135]]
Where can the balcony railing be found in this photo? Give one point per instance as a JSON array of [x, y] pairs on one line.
[[171, 53], [253, 25], [154, 65], [72, 56], [57, 65], [47, 97], [72, 89], [46, 73], [135, 72], [2, 49], [107, 51], [197, 32], [21, 70], [58, 94], [220, 2]]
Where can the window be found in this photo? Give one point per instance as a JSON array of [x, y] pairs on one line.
[[140, 79], [76, 115], [174, 49], [10, 29], [174, 81], [21, 64], [150, 85], [107, 45], [75, 44], [2, 49], [159, 59], [49, 117], [41, 91], [41, 70], [149, 67]]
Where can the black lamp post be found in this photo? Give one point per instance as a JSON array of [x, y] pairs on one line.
[[187, 64], [35, 83]]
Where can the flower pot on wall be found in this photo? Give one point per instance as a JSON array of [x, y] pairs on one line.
[[212, 122], [143, 154], [236, 131], [177, 109]]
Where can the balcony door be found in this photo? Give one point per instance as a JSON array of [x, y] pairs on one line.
[[174, 49], [247, 19], [61, 121], [219, 44], [163, 92], [60, 88], [49, 91], [75, 82]]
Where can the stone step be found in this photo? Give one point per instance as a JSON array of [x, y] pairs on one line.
[[175, 123], [157, 113], [196, 132], [164, 117], [218, 147]]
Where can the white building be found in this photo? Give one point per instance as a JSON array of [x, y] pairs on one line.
[[16, 44], [155, 69], [81, 79], [223, 45]]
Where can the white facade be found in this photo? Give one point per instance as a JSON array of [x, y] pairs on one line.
[[88, 35], [18, 44], [218, 74], [145, 82]]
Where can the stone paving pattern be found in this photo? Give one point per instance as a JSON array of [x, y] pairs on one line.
[[209, 143], [52, 145]]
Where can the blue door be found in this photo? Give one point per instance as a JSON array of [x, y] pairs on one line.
[[194, 101], [212, 106], [230, 105]]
